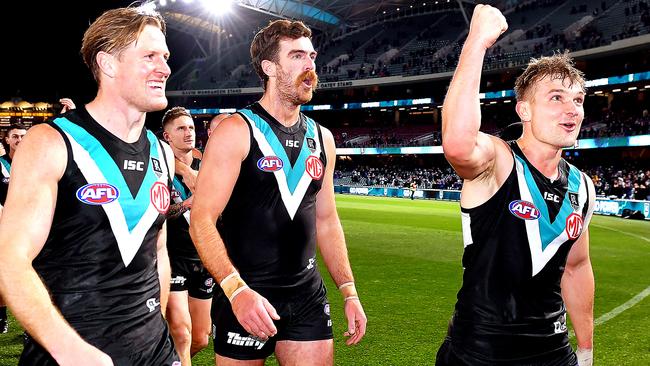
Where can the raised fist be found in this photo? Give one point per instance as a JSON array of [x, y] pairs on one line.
[[487, 25]]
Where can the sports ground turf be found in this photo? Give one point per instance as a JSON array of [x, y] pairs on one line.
[[406, 259]]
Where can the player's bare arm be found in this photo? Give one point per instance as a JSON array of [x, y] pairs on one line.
[[227, 147], [164, 268], [578, 286], [331, 243], [469, 151], [37, 167]]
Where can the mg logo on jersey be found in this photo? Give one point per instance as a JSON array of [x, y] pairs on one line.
[[270, 164], [160, 197], [574, 225], [97, 193], [524, 210], [314, 167]]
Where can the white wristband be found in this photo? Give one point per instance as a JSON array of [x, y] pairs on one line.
[[585, 356]]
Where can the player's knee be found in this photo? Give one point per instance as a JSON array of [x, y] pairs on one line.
[[181, 333], [199, 342]]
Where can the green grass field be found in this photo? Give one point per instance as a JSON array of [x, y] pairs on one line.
[[406, 259]]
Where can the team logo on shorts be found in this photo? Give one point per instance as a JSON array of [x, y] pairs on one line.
[[160, 197], [97, 193], [574, 225], [209, 282], [314, 167], [270, 164], [524, 210], [326, 309]]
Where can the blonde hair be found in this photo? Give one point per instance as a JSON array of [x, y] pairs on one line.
[[559, 66], [114, 30]]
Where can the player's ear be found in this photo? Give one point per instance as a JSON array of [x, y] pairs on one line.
[[269, 68], [523, 110], [106, 63]]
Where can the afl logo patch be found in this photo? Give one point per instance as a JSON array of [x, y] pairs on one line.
[[524, 210], [574, 225], [314, 167], [159, 194], [97, 193], [270, 164]]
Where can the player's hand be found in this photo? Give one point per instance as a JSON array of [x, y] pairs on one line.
[[585, 356], [188, 203], [189, 178], [487, 25], [255, 314], [84, 354], [67, 103], [356, 321]]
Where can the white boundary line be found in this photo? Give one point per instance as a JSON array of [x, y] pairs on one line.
[[619, 309], [631, 302], [621, 232]]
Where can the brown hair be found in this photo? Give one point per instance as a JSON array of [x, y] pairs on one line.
[[114, 30], [16, 126], [266, 43], [559, 66], [174, 113]]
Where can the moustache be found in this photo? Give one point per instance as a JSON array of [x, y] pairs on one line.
[[308, 75]]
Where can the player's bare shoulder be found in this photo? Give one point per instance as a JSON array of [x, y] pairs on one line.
[[43, 148]]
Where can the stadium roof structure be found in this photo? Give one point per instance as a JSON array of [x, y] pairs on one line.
[[250, 15]]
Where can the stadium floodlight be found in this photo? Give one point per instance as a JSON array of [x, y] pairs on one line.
[[149, 7], [218, 7], [163, 2]]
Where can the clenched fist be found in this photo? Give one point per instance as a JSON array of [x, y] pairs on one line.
[[487, 25]]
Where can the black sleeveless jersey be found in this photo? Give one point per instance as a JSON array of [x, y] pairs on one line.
[[510, 306], [269, 223], [99, 261], [179, 242], [5, 170]]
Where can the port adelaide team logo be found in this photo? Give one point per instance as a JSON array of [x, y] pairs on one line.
[[98, 193], [270, 164], [524, 210]]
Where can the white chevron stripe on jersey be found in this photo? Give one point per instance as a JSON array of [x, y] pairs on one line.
[[540, 257], [127, 242], [291, 201]]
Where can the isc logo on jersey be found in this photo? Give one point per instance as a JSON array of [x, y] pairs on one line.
[[314, 167], [270, 164], [97, 193], [574, 225], [524, 210], [160, 197]]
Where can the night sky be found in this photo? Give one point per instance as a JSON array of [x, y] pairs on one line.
[[40, 54]]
